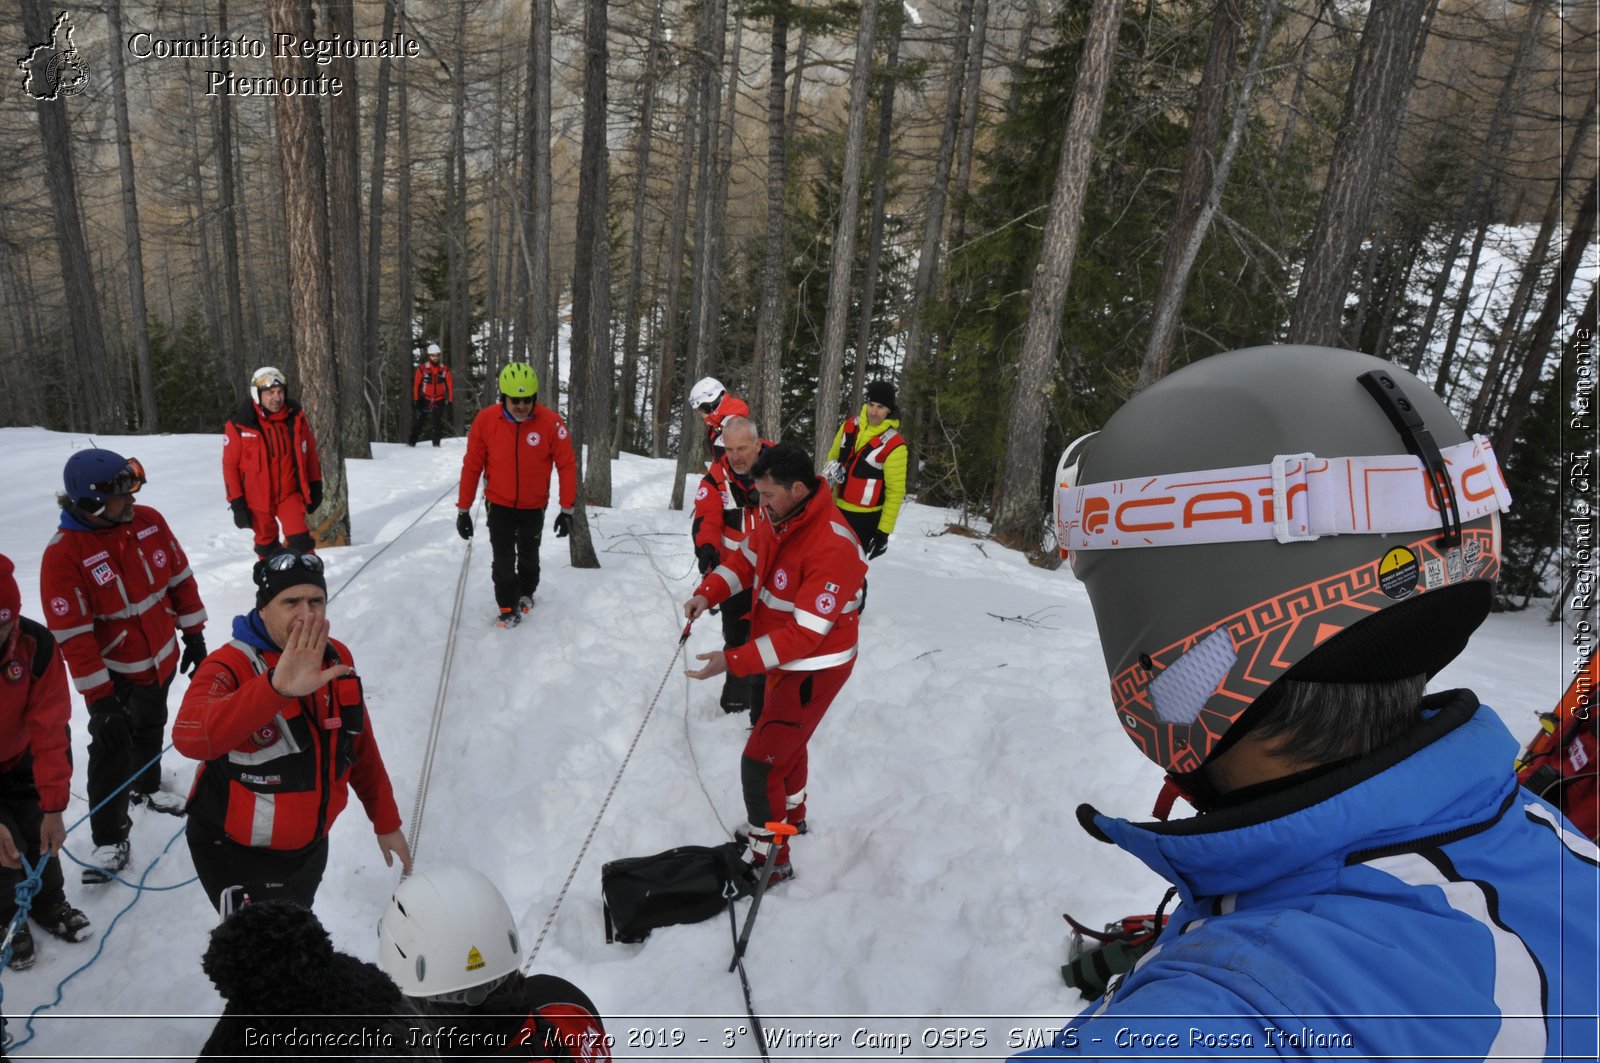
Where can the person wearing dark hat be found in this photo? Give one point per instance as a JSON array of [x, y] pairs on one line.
[[35, 771], [867, 467], [278, 719], [124, 606]]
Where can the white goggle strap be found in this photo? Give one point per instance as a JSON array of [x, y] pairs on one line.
[[1295, 498]]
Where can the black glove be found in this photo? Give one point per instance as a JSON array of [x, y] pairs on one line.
[[464, 524], [109, 723], [707, 557], [241, 512], [194, 651], [563, 524], [877, 542], [316, 496]]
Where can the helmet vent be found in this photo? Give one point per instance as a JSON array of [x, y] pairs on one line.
[[1182, 689]]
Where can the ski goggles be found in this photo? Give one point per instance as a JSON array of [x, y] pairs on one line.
[[285, 561], [707, 407], [126, 482], [268, 378]]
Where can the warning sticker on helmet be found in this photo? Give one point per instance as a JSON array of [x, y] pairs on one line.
[[1397, 573]]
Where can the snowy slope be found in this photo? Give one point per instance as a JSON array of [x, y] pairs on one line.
[[944, 779]]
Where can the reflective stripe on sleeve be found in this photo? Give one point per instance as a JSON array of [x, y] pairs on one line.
[[92, 680], [769, 656], [817, 664], [812, 622], [728, 577]]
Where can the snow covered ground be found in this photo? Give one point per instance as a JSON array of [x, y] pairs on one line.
[[944, 846]]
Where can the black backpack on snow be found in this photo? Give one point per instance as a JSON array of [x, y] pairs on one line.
[[683, 885]]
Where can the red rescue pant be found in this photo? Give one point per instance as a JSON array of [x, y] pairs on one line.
[[773, 765], [291, 514]]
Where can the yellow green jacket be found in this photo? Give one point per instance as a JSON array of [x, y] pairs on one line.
[[894, 469]]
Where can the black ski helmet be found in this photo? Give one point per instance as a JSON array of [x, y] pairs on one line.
[[1226, 544]]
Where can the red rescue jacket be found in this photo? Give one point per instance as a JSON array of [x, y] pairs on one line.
[[278, 770], [433, 383], [266, 461], [115, 598], [1562, 762], [35, 711], [516, 459], [728, 407], [726, 508], [805, 578]]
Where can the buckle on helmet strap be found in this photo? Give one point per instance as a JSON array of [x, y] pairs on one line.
[[1419, 442]]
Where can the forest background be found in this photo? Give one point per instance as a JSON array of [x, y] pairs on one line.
[[1020, 211]]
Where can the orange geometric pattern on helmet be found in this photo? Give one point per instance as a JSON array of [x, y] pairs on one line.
[[1270, 636]]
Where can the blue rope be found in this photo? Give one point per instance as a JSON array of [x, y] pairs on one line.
[[29, 887], [139, 890]]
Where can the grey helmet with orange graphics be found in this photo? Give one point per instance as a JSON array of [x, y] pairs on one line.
[[1289, 512]]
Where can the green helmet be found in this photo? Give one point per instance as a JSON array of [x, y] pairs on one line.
[[518, 379]]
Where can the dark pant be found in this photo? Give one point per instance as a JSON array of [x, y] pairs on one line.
[[863, 524], [263, 874], [432, 412], [773, 767], [110, 768], [740, 692], [514, 536], [20, 814]]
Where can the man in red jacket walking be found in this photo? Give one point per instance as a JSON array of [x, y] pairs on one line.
[[726, 509], [433, 391], [270, 466], [117, 589], [280, 722], [35, 771], [513, 446], [804, 569]]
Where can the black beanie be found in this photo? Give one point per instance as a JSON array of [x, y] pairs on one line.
[[882, 393], [271, 582]]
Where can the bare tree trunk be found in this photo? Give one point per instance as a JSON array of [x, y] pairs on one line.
[[405, 267], [1200, 188], [239, 354], [1018, 512], [458, 349], [840, 292], [376, 393], [626, 429], [1578, 240], [1473, 198], [766, 373], [677, 239], [344, 238], [305, 207], [723, 166], [800, 50], [207, 277], [83, 304], [591, 283], [1379, 86], [702, 323], [1532, 270], [972, 98], [150, 419], [894, 15], [541, 331], [924, 290], [491, 251]]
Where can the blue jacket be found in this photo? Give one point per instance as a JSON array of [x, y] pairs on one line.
[[1415, 903]]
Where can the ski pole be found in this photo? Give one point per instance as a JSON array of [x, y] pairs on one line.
[[778, 829]]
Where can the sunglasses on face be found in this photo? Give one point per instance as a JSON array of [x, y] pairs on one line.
[[707, 407], [521, 400], [126, 482]]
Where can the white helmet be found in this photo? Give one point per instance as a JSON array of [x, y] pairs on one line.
[[266, 377], [709, 389], [448, 931], [433, 348]]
